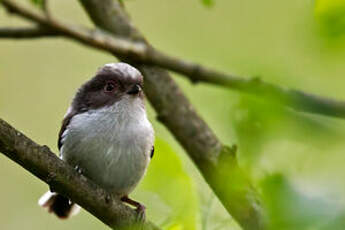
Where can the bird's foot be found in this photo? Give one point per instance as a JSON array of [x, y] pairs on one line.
[[141, 213], [140, 209]]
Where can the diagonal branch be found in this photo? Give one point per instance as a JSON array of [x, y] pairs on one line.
[[141, 52], [27, 32], [61, 177]]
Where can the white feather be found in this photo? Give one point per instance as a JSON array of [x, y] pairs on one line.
[[45, 198], [126, 69]]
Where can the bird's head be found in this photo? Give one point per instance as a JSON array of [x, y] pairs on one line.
[[113, 82]]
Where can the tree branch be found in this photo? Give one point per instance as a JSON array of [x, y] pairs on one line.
[[62, 178], [143, 53], [27, 32]]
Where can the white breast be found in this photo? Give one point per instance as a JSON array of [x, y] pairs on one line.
[[111, 145]]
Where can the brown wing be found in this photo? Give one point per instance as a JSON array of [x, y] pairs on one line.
[[65, 123]]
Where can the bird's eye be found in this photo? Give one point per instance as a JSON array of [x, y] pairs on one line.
[[109, 87]]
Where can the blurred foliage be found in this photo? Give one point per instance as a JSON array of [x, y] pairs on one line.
[[336, 223], [288, 208], [331, 16], [296, 159], [38, 3], [207, 2], [211, 220], [259, 123], [167, 179], [262, 125]]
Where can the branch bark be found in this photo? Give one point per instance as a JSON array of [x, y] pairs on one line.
[[136, 50], [27, 33], [62, 178]]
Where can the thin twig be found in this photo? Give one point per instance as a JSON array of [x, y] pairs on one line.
[[140, 52], [27, 32]]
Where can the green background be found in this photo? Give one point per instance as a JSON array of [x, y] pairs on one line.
[[296, 160]]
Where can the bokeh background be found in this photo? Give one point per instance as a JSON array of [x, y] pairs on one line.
[[296, 160]]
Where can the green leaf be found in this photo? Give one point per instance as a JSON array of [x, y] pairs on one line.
[[261, 125], [330, 15], [288, 208], [38, 3], [170, 194], [208, 2], [338, 223]]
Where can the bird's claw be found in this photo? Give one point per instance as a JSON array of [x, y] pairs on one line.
[[141, 213], [140, 209]]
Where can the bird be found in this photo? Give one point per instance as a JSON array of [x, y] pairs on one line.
[[106, 136]]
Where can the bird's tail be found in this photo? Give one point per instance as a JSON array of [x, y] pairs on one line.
[[61, 206]]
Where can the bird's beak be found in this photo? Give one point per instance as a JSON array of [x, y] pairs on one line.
[[135, 89]]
